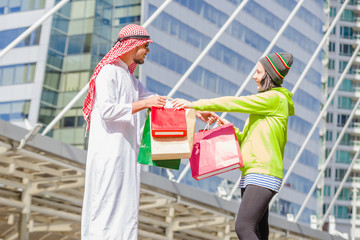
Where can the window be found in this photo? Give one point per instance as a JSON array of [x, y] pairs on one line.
[[263, 15], [325, 207], [7, 36], [332, 100], [299, 184], [250, 37], [306, 100], [345, 194], [301, 126], [356, 122], [327, 191], [69, 122], [305, 43], [331, 47], [57, 41], [342, 66], [342, 118], [307, 157], [347, 15], [60, 23], [17, 74], [345, 103], [72, 121], [328, 173], [329, 117], [331, 64], [342, 212], [55, 59], [331, 81], [161, 89], [79, 44], [49, 96], [327, 152], [346, 140], [286, 207], [329, 136], [346, 49], [346, 85], [200, 75], [313, 75], [346, 32], [343, 157], [12, 6], [332, 12], [333, 32], [17, 110], [339, 174]]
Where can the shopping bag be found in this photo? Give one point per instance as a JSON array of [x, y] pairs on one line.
[[145, 157], [168, 122], [215, 151], [175, 147]]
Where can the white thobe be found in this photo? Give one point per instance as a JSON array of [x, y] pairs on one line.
[[112, 184]]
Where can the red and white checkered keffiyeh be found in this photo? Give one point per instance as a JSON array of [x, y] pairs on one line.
[[119, 49]]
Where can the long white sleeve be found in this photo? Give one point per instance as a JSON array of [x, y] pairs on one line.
[[143, 92], [113, 106]]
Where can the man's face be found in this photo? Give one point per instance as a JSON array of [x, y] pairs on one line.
[[141, 52]]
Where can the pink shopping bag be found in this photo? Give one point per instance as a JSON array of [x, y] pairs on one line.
[[215, 151]]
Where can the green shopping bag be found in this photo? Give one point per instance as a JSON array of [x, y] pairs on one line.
[[144, 156]]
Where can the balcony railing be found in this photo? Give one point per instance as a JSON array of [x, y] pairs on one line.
[[352, 2]]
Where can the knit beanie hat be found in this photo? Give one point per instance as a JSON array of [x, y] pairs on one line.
[[277, 65]]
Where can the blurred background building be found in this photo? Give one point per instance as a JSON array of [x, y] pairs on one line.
[[342, 43], [45, 71]]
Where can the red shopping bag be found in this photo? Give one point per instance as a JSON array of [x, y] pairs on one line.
[[168, 122], [215, 151]]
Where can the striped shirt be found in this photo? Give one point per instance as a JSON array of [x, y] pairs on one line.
[[266, 181]]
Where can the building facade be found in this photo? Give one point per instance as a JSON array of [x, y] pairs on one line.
[[46, 70], [43, 73], [342, 43]]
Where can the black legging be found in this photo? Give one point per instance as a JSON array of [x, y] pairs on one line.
[[252, 219]]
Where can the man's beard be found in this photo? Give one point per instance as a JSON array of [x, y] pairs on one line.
[[139, 61]]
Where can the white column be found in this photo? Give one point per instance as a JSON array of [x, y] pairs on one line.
[[25, 212], [354, 214]]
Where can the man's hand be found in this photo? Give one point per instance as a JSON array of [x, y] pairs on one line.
[[156, 101], [208, 117], [153, 101], [181, 103]]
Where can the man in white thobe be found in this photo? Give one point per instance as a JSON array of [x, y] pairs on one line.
[[112, 184]]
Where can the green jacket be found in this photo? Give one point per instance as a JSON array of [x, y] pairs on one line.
[[264, 136]]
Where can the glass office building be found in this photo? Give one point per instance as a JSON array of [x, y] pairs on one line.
[[60, 58], [82, 33], [62, 53]]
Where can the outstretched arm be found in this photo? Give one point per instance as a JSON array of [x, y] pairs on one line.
[[205, 116], [153, 101]]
